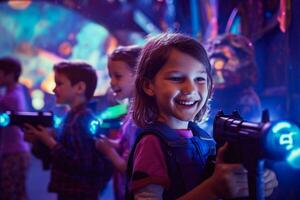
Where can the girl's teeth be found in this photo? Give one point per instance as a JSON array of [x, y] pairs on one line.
[[187, 103]]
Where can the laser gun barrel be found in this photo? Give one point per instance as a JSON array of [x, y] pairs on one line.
[[8, 118]]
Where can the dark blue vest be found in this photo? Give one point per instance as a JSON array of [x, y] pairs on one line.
[[186, 159]]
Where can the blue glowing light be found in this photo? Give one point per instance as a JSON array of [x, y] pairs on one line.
[[287, 141], [57, 121], [4, 119], [294, 158], [94, 126], [281, 125], [236, 26], [283, 138], [288, 134]]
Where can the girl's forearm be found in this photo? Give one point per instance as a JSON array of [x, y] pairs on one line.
[[118, 161], [203, 191]]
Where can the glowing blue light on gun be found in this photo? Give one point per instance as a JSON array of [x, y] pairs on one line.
[[286, 134], [57, 121], [287, 140], [294, 158], [4, 119], [282, 139], [281, 125], [94, 126]]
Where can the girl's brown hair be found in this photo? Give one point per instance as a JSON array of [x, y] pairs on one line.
[[153, 57], [127, 54]]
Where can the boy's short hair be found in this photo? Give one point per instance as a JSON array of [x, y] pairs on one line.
[[11, 65], [77, 72], [127, 54]]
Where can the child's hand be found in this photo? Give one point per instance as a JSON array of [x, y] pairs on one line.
[[270, 181], [229, 180], [104, 145], [108, 148], [41, 133], [29, 136]]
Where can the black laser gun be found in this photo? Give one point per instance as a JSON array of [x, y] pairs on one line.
[[45, 119], [252, 143]]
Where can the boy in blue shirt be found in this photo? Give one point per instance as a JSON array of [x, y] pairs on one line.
[[78, 170]]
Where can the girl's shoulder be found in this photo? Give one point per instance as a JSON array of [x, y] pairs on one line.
[[149, 160], [149, 139], [148, 150]]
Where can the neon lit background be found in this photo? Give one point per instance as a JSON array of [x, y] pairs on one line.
[[43, 34]]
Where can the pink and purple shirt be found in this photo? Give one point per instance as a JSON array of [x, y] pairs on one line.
[[149, 159]]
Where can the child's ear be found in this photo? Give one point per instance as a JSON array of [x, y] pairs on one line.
[[148, 88], [81, 87]]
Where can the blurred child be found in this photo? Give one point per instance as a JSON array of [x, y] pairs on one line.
[[14, 152], [169, 158], [78, 170], [121, 67]]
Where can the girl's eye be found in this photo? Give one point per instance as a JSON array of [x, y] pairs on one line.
[[200, 79]]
